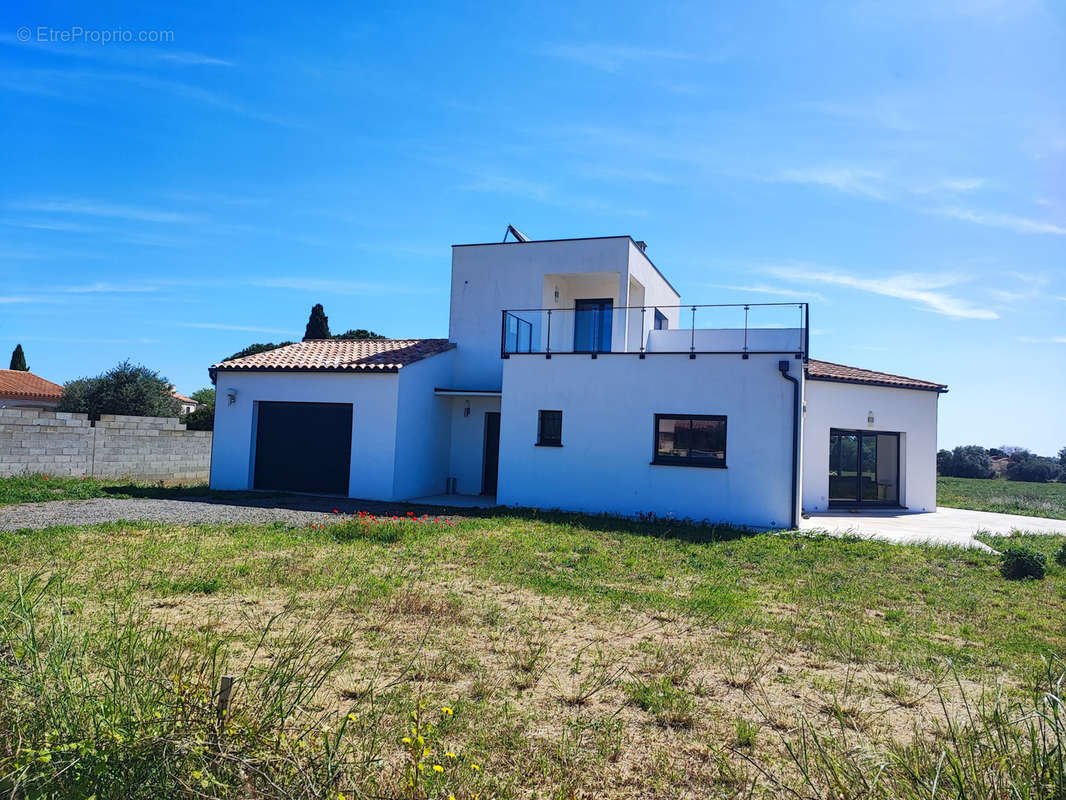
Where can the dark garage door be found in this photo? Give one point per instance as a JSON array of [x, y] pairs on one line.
[[304, 447]]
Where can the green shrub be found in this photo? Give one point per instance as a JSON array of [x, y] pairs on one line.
[[1060, 556], [1022, 562]]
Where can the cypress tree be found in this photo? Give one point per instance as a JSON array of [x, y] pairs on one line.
[[317, 324], [18, 360]]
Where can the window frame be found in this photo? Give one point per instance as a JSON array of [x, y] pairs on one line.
[[540, 427], [689, 461]]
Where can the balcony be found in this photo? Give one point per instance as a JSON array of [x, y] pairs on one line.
[[595, 327]]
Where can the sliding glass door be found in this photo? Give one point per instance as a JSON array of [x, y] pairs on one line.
[[592, 326], [863, 468]]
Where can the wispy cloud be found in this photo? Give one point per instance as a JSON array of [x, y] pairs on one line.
[[1043, 339], [97, 288], [614, 57], [1009, 222], [126, 212], [20, 298], [849, 180], [192, 59], [77, 85], [542, 193], [219, 326], [777, 291], [924, 290], [119, 55], [340, 287], [49, 225]]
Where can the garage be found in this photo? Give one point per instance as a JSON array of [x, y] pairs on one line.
[[303, 447]]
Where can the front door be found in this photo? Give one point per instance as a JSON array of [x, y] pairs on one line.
[[491, 462], [863, 468], [592, 326]]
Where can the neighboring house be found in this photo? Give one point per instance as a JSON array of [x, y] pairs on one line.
[[573, 377], [188, 405], [20, 389]]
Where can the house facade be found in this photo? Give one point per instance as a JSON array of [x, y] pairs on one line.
[[573, 377]]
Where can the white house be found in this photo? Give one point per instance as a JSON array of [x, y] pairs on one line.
[[573, 377]]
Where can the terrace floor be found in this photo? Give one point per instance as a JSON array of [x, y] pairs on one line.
[[947, 526]]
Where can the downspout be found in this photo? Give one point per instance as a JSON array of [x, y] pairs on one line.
[[783, 366]]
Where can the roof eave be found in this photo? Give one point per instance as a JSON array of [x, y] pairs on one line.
[[938, 388]]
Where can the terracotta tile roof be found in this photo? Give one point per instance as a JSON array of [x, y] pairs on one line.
[[182, 398], [341, 355], [828, 371], [25, 385]]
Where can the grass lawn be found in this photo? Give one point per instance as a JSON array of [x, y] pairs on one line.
[[1009, 497], [556, 656], [41, 489]]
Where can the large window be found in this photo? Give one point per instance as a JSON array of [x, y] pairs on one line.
[[550, 429], [689, 440]]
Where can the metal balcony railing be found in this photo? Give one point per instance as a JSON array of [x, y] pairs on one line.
[[598, 328]]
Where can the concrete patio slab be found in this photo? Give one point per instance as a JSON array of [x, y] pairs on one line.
[[953, 526]]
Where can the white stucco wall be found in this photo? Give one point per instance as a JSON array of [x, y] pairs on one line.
[[608, 406], [423, 430], [468, 441], [491, 277], [374, 399], [912, 413]]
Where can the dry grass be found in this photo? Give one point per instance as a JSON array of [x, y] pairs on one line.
[[640, 684]]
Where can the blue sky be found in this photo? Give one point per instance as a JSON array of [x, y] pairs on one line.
[[900, 165]]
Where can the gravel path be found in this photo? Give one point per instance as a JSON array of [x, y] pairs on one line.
[[297, 510]]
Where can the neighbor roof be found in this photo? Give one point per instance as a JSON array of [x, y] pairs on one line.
[[25, 385], [828, 371], [183, 399], [339, 355]]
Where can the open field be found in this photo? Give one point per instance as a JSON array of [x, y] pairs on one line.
[[518, 656], [1009, 497]]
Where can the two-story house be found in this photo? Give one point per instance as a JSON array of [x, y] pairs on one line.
[[573, 377]]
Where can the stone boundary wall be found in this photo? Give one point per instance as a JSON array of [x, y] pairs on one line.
[[62, 443]]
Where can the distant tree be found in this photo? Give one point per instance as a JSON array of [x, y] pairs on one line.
[[204, 396], [1034, 469], [18, 360], [252, 349], [969, 461], [1062, 457], [1029, 467], [359, 333], [128, 388], [203, 418], [317, 324]]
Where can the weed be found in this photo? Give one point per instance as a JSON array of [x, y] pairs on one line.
[[670, 705]]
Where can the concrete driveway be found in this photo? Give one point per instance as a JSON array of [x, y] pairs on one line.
[[954, 526]]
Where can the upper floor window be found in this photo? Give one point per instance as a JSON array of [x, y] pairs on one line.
[[550, 429], [661, 322], [690, 440]]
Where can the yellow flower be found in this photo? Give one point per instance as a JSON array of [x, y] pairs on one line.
[[446, 710], [450, 755], [438, 768], [197, 774], [475, 767], [406, 740], [351, 717], [451, 797]]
